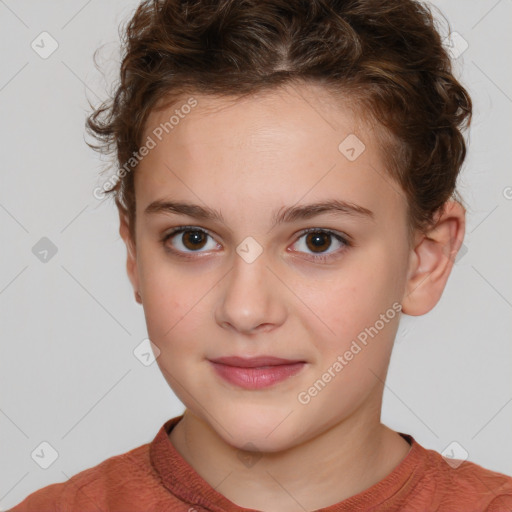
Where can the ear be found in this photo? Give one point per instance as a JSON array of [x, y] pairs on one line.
[[131, 258], [432, 259]]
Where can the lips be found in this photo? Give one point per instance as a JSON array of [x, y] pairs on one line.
[[255, 372], [254, 362]]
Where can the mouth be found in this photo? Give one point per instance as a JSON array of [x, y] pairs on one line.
[[256, 372]]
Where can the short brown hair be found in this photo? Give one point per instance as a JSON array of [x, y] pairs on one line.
[[387, 55]]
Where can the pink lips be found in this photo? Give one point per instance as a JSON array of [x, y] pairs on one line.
[[256, 372]]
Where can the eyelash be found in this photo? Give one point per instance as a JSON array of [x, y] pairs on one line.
[[316, 258]]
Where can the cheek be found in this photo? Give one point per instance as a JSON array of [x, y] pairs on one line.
[[351, 304], [170, 308], [174, 301], [348, 300]]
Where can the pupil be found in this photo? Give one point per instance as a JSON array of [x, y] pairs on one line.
[[318, 240], [195, 238]]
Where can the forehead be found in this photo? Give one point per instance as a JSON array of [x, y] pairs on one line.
[[293, 111], [275, 146]]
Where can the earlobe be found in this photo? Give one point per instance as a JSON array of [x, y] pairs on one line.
[[131, 256], [432, 259]]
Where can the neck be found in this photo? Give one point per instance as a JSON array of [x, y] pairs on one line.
[[342, 460]]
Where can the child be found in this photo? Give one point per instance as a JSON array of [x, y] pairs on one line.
[[286, 189]]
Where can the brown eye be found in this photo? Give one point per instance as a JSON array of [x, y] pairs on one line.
[[193, 240], [187, 240], [315, 242], [319, 241]]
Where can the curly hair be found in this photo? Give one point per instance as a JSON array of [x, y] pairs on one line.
[[386, 55]]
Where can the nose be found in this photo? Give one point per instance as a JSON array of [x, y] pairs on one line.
[[251, 298]]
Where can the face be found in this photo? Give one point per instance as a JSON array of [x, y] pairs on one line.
[[252, 282]]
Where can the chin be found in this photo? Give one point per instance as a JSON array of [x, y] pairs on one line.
[[267, 429]]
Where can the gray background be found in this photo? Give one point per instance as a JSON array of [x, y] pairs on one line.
[[69, 325]]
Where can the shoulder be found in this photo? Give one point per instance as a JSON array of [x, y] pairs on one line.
[[90, 488], [460, 482]]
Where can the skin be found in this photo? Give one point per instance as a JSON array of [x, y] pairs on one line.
[[248, 158]]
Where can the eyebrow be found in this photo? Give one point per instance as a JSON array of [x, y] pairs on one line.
[[283, 215]]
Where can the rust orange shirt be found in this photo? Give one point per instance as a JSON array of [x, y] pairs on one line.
[[154, 477]]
